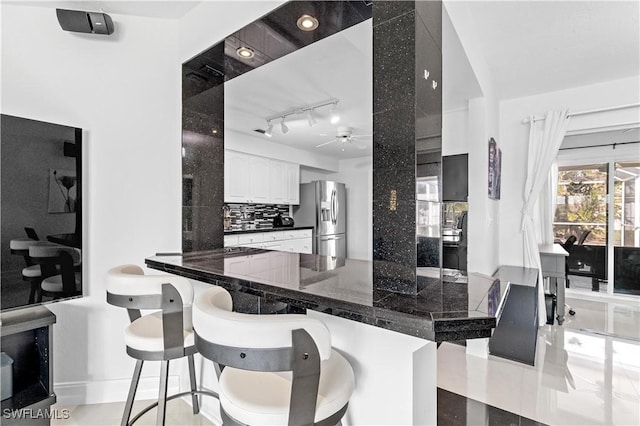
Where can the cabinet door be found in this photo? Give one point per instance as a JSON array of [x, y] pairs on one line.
[[298, 245], [236, 265], [292, 183], [259, 179], [278, 182], [236, 177]]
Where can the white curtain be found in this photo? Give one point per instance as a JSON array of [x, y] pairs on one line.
[[544, 143]]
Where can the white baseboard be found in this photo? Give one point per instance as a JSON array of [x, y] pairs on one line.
[[209, 407], [105, 391]]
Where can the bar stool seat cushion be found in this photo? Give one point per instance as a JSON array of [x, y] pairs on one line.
[[145, 334], [32, 271], [54, 283], [21, 243], [254, 397]]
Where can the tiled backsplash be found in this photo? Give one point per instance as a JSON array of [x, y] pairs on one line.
[[254, 215]]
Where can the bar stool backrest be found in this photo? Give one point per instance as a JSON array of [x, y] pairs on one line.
[[128, 287], [214, 322]]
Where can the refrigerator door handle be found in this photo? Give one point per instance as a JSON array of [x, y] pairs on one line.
[[331, 238], [337, 209], [333, 207]]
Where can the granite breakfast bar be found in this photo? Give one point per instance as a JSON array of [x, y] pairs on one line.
[[389, 338]]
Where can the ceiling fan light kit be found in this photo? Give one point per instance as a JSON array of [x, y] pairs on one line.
[[345, 136]]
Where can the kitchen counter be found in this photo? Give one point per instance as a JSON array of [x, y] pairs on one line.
[[442, 311], [252, 230]]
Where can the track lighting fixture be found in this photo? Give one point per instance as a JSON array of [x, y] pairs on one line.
[[308, 110], [283, 126]]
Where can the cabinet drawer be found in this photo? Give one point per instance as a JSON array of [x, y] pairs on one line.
[[256, 237], [273, 236], [230, 240], [300, 233]]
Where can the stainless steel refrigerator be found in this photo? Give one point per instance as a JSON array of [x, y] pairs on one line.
[[323, 206]]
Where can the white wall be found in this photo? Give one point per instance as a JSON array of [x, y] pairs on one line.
[[124, 91], [455, 132], [483, 123], [514, 141], [265, 148], [111, 87]]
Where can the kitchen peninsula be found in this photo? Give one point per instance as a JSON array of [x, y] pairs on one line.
[[441, 311], [390, 338]]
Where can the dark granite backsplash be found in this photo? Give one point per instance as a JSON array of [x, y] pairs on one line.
[[254, 215]]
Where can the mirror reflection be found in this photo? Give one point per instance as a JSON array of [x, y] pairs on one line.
[[311, 109], [41, 212]]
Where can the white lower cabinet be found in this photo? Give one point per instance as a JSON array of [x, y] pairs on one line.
[[294, 241], [270, 267]]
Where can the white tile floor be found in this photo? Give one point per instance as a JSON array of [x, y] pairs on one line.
[[580, 377], [178, 413]]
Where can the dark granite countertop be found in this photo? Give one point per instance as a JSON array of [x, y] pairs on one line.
[[455, 308], [252, 230]]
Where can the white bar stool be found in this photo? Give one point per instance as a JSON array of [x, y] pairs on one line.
[[161, 336], [32, 272], [272, 369], [58, 264]]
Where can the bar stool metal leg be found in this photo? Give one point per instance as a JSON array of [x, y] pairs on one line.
[[192, 380], [162, 396], [132, 393]]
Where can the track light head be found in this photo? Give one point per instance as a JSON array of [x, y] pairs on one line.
[[283, 126], [269, 130], [312, 121]]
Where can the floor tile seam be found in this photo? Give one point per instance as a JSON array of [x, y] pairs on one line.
[[481, 402]]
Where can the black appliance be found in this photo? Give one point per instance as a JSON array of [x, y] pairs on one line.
[[280, 221]]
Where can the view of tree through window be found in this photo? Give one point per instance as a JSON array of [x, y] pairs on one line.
[[582, 203]]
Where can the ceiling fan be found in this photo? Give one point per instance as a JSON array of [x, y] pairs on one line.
[[345, 136]]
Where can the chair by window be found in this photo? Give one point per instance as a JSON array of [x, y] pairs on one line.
[[272, 369], [568, 246]]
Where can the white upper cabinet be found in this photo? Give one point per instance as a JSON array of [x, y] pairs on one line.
[[236, 178], [252, 179], [259, 176], [278, 182], [292, 183]]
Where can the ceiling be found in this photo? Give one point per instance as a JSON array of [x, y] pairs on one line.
[[621, 136], [337, 67], [530, 47], [541, 46]]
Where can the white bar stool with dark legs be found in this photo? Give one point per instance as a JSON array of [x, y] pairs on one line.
[[31, 273], [161, 336], [272, 369], [59, 264]]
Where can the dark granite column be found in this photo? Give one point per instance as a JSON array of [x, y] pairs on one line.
[[406, 62], [203, 152]]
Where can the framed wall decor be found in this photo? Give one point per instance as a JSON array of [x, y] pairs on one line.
[[495, 160]]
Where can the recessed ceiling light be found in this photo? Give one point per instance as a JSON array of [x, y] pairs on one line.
[[245, 52], [307, 23]]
